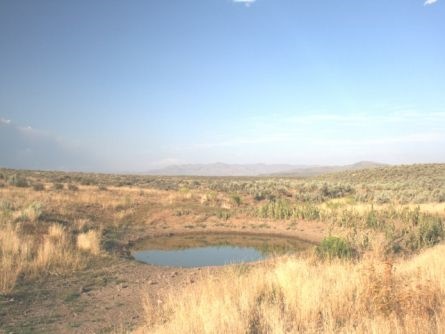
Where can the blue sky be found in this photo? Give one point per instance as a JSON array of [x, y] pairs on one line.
[[132, 85]]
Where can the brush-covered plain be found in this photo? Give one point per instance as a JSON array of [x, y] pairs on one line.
[[379, 263]]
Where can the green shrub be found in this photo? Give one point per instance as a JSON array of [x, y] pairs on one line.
[[18, 181], [38, 186], [335, 191], [264, 194], [87, 181], [431, 232], [6, 206], [371, 219], [236, 199], [223, 214], [58, 186], [335, 247], [72, 187]]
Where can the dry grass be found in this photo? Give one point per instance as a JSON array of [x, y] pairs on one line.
[[301, 295], [361, 208], [291, 295], [31, 257], [14, 252], [31, 247], [56, 253], [89, 241]]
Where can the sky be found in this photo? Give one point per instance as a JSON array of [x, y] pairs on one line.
[[106, 85]]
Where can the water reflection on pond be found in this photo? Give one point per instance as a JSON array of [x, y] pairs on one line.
[[200, 250]]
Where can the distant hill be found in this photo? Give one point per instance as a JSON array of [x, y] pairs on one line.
[[320, 170], [222, 169], [432, 175]]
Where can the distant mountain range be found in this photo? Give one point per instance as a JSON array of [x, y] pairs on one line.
[[222, 169]]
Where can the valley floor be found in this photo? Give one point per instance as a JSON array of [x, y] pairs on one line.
[[109, 295], [66, 240]]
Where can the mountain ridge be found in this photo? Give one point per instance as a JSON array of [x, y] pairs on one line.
[[258, 169]]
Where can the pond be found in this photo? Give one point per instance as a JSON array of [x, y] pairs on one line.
[[201, 250]]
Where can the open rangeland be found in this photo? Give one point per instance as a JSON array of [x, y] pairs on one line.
[[377, 264]]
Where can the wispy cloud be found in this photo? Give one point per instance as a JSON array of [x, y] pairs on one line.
[[403, 139], [398, 117], [289, 137], [429, 2], [253, 140], [250, 2], [401, 127]]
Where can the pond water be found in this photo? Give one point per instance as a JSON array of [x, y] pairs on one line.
[[201, 250]]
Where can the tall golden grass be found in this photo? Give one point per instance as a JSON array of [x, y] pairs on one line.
[[22, 255], [89, 241], [14, 252], [299, 295], [30, 247]]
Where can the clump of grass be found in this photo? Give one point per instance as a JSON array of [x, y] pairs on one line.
[[31, 213], [283, 209], [303, 296], [14, 253], [89, 241], [28, 257], [6, 206], [182, 212], [223, 214], [335, 247], [55, 254], [279, 209]]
